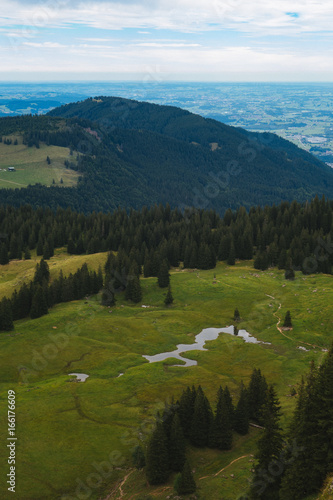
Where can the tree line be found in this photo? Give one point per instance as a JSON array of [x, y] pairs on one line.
[[291, 236], [121, 274], [37, 297]]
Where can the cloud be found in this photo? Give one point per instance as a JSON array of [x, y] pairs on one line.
[[44, 45], [156, 44], [185, 15], [217, 39]]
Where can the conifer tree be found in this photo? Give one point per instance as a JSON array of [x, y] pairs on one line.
[[176, 445], [241, 415], [40, 246], [14, 249], [157, 459], [310, 437], [236, 315], [46, 251], [138, 457], [287, 320], [184, 482], [42, 273], [257, 392], [4, 259], [229, 404], [39, 303], [163, 277], [186, 409], [27, 254], [6, 315], [221, 430], [201, 421], [267, 477], [232, 255], [168, 298], [133, 289]]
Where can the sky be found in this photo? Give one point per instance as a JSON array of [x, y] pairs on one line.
[[162, 41]]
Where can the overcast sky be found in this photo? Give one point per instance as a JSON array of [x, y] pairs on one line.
[[193, 40]]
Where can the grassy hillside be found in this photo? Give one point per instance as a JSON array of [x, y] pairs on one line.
[[67, 429], [31, 166], [17, 272]]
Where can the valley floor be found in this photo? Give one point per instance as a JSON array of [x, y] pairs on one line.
[[75, 439]]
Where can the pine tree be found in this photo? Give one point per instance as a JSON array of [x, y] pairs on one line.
[[221, 431], [184, 482], [39, 303], [289, 274], [138, 457], [257, 392], [71, 248], [267, 477], [163, 277], [133, 289], [232, 255], [168, 298], [201, 421], [4, 259], [241, 415], [186, 409], [176, 445], [46, 251], [40, 246], [42, 273], [6, 315], [287, 320], [157, 459], [229, 404], [236, 315], [27, 254], [310, 438]]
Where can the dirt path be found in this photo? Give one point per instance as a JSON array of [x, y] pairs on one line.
[[290, 338], [120, 488], [12, 182], [217, 473], [279, 321]]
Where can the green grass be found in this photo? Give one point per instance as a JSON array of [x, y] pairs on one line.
[[31, 166], [17, 272], [65, 429]]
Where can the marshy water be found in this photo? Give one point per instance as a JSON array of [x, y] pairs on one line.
[[205, 335], [81, 377]]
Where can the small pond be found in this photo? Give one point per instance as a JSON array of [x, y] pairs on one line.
[[81, 377], [200, 340]]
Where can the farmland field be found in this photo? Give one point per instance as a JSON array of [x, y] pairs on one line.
[[31, 166]]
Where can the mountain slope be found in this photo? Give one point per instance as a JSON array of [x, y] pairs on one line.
[[133, 154]]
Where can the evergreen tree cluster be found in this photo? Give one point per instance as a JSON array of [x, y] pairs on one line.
[[192, 420], [289, 236], [296, 468], [35, 299], [311, 434]]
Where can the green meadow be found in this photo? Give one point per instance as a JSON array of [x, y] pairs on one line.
[[31, 166], [74, 439]]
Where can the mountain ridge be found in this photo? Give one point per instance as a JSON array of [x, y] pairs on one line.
[[136, 153]]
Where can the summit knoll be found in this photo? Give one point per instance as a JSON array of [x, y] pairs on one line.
[[131, 153]]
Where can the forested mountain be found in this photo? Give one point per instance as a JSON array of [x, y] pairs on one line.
[[132, 154]]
